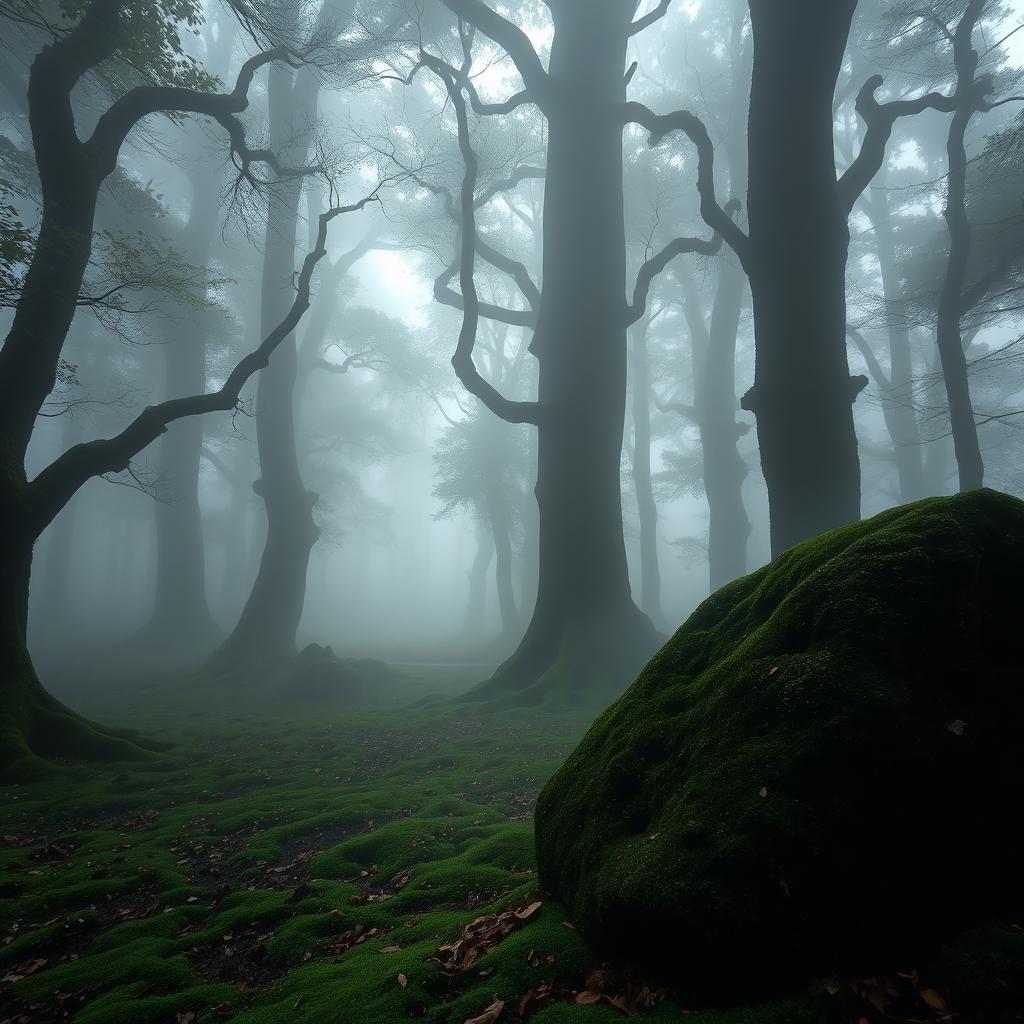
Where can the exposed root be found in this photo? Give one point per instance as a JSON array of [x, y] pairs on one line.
[[588, 664], [36, 730]]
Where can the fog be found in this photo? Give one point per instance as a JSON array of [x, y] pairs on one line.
[[412, 475], [511, 511]]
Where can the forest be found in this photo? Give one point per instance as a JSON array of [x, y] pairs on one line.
[[511, 511]]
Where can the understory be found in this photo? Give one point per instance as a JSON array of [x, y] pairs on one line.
[[324, 866]]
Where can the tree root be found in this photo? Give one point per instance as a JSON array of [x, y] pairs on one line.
[[36, 731], [588, 665]]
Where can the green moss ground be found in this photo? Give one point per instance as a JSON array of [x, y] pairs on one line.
[[226, 878]]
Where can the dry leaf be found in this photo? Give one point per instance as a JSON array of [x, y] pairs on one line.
[[490, 1015], [527, 912], [403, 980]]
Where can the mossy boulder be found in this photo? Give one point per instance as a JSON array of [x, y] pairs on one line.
[[822, 771]]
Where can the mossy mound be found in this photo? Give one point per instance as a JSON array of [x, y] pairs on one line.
[[822, 771], [317, 675]]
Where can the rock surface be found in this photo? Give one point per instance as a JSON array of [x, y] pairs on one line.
[[823, 770]]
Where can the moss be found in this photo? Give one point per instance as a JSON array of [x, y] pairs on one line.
[[36, 730], [788, 788], [106, 872]]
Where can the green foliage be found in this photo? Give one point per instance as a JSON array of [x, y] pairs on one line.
[[477, 461], [16, 247], [143, 263], [150, 42]]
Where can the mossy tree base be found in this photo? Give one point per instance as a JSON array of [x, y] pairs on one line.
[[36, 729], [822, 771], [583, 664]]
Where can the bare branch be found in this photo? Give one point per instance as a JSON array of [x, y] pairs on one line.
[[874, 367], [448, 296], [660, 125], [659, 261], [880, 119], [649, 19], [514, 41], [118, 120], [56, 484], [462, 360], [679, 408]]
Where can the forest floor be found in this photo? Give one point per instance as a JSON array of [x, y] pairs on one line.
[[320, 865]]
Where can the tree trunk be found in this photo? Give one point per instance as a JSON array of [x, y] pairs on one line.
[[501, 530], [647, 508], [265, 633], [803, 393], [34, 725], [949, 338], [476, 603], [715, 405], [585, 625], [897, 394], [53, 597], [714, 412], [181, 628]]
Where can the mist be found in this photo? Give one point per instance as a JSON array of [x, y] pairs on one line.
[[447, 446]]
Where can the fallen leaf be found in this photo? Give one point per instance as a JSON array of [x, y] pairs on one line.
[[490, 1015], [527, 912], [403, 980], [933, 999]]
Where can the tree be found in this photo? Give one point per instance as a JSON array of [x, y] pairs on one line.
[[181, 628], [970, 97], [265, 631], [585, 626], [942, 37], [719, 73], [71, 172], [795, 255]]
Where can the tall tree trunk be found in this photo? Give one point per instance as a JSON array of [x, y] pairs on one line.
[[715, 405], [897, 394], [647, 508], [34, 725], [501, 530], [970, 465], [265, 633], [584, 621], [476, 598], [181, 626], [53, 598], [803, 393], [714, 412], [181, 629], [715, 400]]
